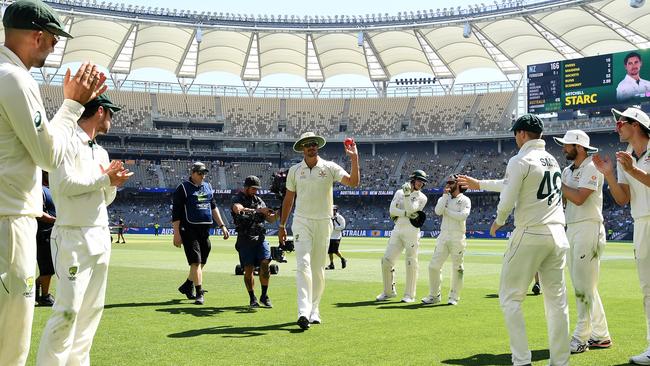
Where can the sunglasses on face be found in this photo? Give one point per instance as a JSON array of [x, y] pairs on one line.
[[310, 144], [623, 121], [201, 172]]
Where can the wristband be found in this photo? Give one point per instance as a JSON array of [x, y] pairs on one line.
[[222, 225], [281, 226]]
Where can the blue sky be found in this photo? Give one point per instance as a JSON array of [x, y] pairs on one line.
[[293, 7]]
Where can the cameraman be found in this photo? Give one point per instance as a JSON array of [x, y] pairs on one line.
[[249, 213]]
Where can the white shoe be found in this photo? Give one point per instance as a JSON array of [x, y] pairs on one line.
[[642, 359], [577, 346], [408, 299], [431, 300], [314, 318], [452, 302], [384, 297]]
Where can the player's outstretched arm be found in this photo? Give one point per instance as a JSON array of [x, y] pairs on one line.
[[354, 178]]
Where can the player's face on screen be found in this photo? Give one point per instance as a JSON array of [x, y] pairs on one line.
[[633, 66], [570, 152]]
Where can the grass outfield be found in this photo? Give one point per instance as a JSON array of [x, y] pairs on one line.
[[147, 322]]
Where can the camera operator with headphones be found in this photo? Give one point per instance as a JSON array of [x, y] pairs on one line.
[[249, 213]]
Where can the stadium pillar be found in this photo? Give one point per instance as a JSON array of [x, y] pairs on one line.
[[435, 148], [373, 149], [499, 146]]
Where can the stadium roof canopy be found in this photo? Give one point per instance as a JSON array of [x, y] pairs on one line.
[[445, 42]]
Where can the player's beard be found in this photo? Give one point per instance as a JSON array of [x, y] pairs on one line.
[[571, 155]]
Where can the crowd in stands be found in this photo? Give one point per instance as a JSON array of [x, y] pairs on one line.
[[384, 168], [361, 213]]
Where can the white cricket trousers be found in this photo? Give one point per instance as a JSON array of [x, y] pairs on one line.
[[448, 244], [530, 250], [17, 271], [587, 240], [404, 238], [311, 239], [77, 310], [642, 256]]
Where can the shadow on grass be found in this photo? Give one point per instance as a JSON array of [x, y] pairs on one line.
[[487, 359], [228, 331], [413, 306], [203, 311], [359, 304], [496, 296], [142, 304]]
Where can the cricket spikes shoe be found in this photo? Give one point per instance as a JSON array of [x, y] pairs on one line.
[[431, 300], [407, 299], [578, 346], [384, 297], [642, 359], [594, 343]]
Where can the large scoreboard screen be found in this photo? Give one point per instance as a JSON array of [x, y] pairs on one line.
[[584, 83]]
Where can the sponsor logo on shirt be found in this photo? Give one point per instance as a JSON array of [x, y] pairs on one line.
[[38, 121], [322, 174]]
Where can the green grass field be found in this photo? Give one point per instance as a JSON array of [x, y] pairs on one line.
[[147, 322]]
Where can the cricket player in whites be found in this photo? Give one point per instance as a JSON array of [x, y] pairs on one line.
[[582, 190], [405, 237], [310, 185], [633, 187], [533, 182], [29, 142], [454, 208], [82, 187]]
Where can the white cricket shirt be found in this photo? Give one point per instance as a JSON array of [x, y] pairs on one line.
[[584, 176], [27, 139], [639, 192], [401, 206], [454, 212], [313, 188], [533, 183], [629, 88], [80, 190]]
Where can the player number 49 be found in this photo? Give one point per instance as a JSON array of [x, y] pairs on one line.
[[545, 191]]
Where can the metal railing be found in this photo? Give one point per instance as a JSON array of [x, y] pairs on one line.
[[299, 92]]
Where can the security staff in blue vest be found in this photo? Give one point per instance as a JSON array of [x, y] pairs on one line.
[[249, 213], [194, 211], [43, 250]]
